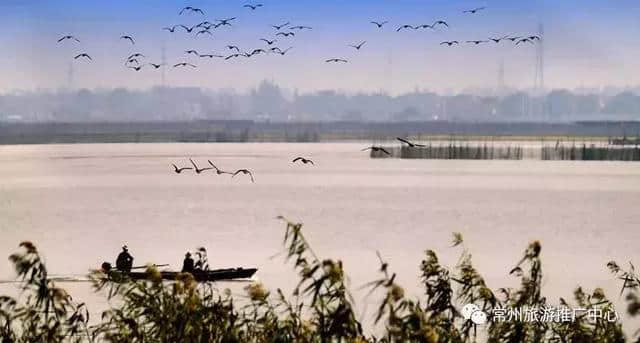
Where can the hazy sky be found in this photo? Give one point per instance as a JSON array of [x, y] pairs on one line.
[[587, 43]]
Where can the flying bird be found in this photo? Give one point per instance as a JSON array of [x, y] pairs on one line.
[[82, 55], [244, 171], [233, 47], [137, 54], [192, 9], [129, 38], [136, 68], [279, 27], [132, 60], [450, 43], [303, 160], [68, 37], [281, 52], [203, 32], [257, 52], [211, 55], [237, 55], [253, 7], [473, 11], [410, 144], [205, 24], [285, 34], [405, 27], [225, 21], [497, 40], [269, 42], [198, 170], [440, 22], [180, 170], [357, 47], [300, 27], [156, 66], [218, 170], [379, 24], [534, 38], [425, 26], [376, 149], [336, 60], [476, 42], [191, 52], [513, 39], [188, 29], [524, 40], [171, 29], [184, 64]]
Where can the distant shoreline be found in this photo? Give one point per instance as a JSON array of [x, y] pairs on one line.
[[237, 131]]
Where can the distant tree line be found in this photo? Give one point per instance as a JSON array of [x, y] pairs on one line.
[[269, 102]]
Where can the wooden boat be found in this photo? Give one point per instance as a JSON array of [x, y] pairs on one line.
[[202, 275], [199, 275]]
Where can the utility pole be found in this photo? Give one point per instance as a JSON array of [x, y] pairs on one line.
[[538, 82], [164, 65], [501, 84], [70, 76], [389, 73]]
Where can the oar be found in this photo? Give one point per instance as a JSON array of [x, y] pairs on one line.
[[153, 265]]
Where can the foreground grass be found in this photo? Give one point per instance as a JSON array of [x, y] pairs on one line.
[[320, 309]]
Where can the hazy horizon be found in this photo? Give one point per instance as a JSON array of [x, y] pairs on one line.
[[268, 101], [578, 47], [288, 93]]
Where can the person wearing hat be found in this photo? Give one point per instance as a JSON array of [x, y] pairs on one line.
[[187, 265], [124, 262]]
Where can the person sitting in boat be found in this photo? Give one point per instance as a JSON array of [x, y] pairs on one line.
[[124, 262], [187, 265]]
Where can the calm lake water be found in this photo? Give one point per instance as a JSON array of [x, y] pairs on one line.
[[81, 203]]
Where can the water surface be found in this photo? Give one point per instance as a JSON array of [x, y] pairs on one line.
[[81, 203]]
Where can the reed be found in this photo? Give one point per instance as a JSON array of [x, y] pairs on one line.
[[320, 309], [455, 151], [464, 150], [591, 152]]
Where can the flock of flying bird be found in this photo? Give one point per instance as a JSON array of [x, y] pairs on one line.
[[284, 30], [303, 160], [218, 171], [198, 170]]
